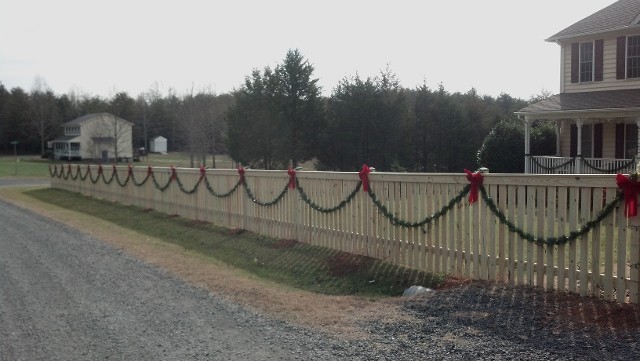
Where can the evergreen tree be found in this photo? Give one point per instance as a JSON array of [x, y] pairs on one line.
[[299, 107]]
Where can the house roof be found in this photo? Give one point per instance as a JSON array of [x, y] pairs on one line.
[[620, 15], [627, 100], [89, 117]]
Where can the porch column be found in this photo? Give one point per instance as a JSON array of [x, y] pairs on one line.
[[638, 145], [637, 160], [527, 145], [557, 138], [579, 146]]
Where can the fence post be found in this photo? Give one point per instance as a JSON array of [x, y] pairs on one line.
[[634, 260]]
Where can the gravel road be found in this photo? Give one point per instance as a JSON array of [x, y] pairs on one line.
[[65, 295]]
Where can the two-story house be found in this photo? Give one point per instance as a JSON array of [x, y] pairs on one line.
[[597, 113], [100, 137]]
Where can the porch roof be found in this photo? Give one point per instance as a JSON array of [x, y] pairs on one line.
[[66, 138], [608, 103]]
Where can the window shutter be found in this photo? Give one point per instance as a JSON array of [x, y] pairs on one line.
[[598, 59], [575, 62], [621, 53], [597, 140], [620, 141], [573, 145]]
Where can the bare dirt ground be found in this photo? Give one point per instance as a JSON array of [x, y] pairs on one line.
[[462, 320]]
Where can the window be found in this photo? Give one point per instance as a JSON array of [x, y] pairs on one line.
[[630, 140], [586, 62], [633, 56], [75, 146], [587, 140]]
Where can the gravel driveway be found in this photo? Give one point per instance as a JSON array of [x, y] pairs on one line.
[[65, 295]]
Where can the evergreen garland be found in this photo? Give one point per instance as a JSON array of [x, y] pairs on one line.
[[318, 208], [396, 221], [402, 223]]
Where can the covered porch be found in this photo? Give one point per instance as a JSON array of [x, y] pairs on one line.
[[67, 148], [596, 133]]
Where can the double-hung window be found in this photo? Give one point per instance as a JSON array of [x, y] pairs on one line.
[[586, 62], [633, 56]]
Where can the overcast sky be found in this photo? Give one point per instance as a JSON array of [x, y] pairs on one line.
[[100, 47]]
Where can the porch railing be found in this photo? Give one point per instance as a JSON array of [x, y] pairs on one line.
[[66, 154], [580, 165]]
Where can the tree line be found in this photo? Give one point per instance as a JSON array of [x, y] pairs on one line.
[[278, 118]]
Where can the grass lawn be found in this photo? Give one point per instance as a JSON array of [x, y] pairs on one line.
[[24, 166]]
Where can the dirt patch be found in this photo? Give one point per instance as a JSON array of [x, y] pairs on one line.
[[284, 243], [343, 264], [453, 282], [235, 231], [196, 223]]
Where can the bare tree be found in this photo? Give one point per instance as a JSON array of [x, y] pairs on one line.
[[44, 115]]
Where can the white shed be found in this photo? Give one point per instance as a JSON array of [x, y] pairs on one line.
[[158, 145]]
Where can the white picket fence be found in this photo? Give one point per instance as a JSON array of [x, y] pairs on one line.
[[467, 240]]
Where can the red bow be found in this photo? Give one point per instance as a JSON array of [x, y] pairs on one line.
[[149, 170], [130, 169], [173, 173], [241, 172], [476, 182], [100, 169], [202, 171], [364, 177], [292, 178], [630, 188]]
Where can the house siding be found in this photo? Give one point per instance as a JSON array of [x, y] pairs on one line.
[[608, 139], [609, 81]]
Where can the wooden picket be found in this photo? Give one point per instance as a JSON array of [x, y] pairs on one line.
[[467, 240]]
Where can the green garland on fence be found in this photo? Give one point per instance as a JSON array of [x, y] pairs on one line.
[[190, 191], [140, 184], [612, 170], [550, 241], [573, 235], [536, 162], [220, 195], [399, 222], [265, 204], [305, 198], [158, 186]]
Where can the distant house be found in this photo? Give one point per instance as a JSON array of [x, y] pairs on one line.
[[100, 137], [158, 145], [597, 112]]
